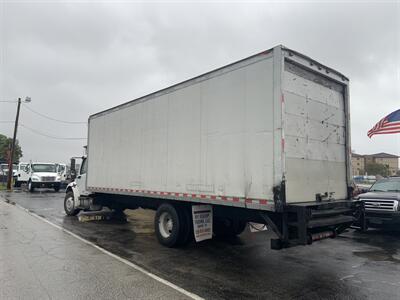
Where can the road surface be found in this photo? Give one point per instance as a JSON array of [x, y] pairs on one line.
[[353, 266]]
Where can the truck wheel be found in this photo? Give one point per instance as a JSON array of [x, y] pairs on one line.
[[167, 225], [69, 205], [30, 187], [17, 183], [227, 227], [186, 222]]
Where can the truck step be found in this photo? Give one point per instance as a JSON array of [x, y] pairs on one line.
[[330, 212], [323, 222]]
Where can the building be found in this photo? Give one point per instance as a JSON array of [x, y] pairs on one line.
[[358, 162], [390, 160]]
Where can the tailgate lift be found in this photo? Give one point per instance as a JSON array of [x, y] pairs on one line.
[[304, 223]]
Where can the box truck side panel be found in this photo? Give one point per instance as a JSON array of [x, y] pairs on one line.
[[315, 135], [212, 137]]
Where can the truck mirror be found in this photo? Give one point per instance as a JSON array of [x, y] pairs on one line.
[[73, 170]]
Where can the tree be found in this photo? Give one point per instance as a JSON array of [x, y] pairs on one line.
[[5, 148], [377, 169]]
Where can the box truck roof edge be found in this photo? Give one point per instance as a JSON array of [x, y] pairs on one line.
[[340, 77]]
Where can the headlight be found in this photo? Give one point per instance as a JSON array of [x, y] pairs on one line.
[[35, 178], [58, 178]]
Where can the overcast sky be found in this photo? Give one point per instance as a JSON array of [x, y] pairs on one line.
[[77, 58]]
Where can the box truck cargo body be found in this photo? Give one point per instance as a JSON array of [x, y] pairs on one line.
[[268, 135]]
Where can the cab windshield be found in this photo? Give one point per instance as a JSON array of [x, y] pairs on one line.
[[386, 185], [44, 168]]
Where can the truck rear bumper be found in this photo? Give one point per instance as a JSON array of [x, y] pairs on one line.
[[304, 223]]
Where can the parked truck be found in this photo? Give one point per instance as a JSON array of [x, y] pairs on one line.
[[265, 139], [42, 175], [22, 174]]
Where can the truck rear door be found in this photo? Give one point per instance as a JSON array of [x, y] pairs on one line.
[[315, 128]]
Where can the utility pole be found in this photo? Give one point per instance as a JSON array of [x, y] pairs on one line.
[[10, 163]]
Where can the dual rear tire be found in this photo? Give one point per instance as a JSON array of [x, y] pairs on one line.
[[173, 225]]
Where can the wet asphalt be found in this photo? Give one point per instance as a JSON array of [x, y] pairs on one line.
[[352, 266]]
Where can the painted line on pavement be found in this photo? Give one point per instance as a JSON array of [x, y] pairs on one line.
[[123, 260]]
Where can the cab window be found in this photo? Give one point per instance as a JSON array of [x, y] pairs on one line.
[[84, 167]]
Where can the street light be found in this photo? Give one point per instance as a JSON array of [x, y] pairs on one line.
[[10, 163]]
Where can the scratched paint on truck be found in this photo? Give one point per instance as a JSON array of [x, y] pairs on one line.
[[315, 135]]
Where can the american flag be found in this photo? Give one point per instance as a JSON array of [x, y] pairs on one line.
[[389, 124]]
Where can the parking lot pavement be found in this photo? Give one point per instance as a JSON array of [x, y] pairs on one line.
[[353, 266], [38, 261]]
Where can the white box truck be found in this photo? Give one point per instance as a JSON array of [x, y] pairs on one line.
[[265, 139]]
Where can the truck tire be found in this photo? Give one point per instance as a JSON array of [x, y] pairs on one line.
[[31, 188], [168, 225], [225, 227], [186, 234], [17, 183], [69, 206]]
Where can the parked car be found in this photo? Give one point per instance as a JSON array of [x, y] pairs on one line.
[[382, 203], [43, 175]]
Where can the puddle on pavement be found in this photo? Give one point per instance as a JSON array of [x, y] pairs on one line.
[[390, 255]]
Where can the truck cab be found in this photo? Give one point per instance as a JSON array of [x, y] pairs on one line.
[[77, 195], [43, 175], [62, 171], [21, 176]]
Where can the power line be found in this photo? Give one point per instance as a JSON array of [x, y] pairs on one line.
[[50, 118], [8, 101], [50, 136]]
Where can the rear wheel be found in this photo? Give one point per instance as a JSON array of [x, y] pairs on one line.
[[69, 204], [167, 225]]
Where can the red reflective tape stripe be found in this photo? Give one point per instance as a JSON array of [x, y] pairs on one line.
[[186, 195]]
